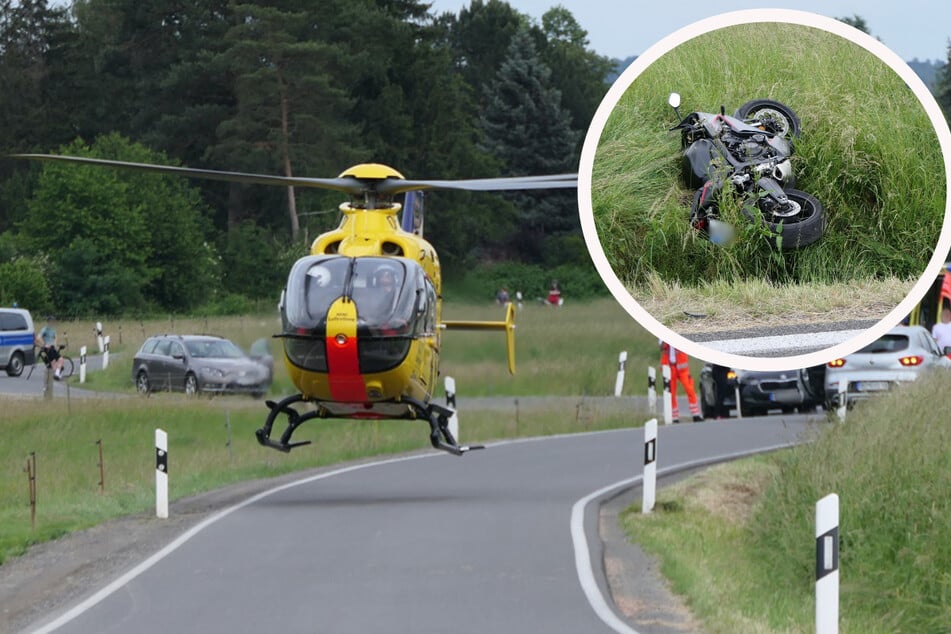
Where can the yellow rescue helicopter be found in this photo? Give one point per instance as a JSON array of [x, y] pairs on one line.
[[362, 313]]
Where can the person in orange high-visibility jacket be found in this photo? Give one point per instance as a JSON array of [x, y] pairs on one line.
[[679, 371]]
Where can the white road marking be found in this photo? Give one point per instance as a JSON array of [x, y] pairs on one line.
[[583, 565], [187, 535], [579, 539], [777, 344]]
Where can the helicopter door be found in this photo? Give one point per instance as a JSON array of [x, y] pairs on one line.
[[385, 291]]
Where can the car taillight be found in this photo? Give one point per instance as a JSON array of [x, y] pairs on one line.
[[836, 363], [911, 361]]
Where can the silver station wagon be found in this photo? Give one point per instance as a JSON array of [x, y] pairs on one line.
[[197, 363]]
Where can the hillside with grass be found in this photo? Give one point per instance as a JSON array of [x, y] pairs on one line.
[[867, 151], [738, 540]]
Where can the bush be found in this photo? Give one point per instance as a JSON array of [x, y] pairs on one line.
[[23, 282], [577, 281], [227, 304]]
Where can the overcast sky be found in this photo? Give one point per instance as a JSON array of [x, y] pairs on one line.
[[621, 28]]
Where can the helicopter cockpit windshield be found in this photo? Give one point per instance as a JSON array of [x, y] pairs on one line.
[[394, 302]]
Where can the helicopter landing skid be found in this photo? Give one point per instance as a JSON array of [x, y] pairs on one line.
[[439, 434], [437, 416], [294, 420]]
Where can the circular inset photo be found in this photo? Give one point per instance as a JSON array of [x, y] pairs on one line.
[[767, 189]]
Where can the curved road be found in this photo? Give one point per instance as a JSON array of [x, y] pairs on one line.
[[501, 540]]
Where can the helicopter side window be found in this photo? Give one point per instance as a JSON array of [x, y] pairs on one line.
[[384, 292], [428, 308], [313, 284]]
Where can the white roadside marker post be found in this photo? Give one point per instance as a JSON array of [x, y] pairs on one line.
[[668, 406], [843, 397], [82, 364], [451, 404], [827, 565], [652, 390], [161, 474], [105, 352], [619, 382], [739, 402], [99, 335], [649, 482]]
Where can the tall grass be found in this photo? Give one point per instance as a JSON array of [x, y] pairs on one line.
[[738, 541], [868, 152], [566, 355]]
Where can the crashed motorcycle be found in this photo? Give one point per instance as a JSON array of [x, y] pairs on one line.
[[751, 152]]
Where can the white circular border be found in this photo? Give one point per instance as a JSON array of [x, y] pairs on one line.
[[689, 32]]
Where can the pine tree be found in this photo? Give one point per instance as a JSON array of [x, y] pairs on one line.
[[530, 132], [291, 114]]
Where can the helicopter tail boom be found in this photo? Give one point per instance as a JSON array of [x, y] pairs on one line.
[[508, 325]]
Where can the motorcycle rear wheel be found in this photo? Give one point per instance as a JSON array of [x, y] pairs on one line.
[[795, 231], [778, 114]]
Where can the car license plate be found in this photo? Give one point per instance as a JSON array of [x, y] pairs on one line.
[[785, 396], [872, 386]]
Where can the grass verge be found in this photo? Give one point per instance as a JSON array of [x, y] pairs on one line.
[[738, 540], [758, 303]]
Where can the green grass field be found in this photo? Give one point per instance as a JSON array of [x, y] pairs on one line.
[[738, 542], [868, 152]]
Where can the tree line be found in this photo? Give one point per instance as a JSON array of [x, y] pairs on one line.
[[275, 87]]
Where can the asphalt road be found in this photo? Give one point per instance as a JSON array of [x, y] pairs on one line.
[[32, 384], [501, 540]]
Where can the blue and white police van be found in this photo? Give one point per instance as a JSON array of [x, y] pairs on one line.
[[16, 340]]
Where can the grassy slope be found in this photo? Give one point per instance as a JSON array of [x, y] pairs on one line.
[[570, 351], [738, 541], [868, 152]]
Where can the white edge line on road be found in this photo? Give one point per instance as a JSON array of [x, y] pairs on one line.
[[124, 579], [579, 539], [582, 556], [121, 581]]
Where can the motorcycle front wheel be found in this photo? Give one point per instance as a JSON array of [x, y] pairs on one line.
[[794, 229], [776, 116]]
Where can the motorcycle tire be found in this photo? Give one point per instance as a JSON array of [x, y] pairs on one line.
[[801, 230], [764, 109]]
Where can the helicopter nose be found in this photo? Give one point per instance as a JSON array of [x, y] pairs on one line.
[[341, 339]]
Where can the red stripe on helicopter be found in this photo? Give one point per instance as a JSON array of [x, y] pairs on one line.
[[343, 365]]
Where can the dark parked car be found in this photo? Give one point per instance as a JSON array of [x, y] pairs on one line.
[[762, 391], [197, 363]]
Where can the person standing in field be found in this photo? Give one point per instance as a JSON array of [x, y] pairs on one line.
[[942, 332], [679, 372]]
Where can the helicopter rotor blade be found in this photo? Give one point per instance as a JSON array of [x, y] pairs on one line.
[[508, 183], [348, 184]]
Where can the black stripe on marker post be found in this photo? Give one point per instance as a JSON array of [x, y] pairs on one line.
[[827, 553], [650, 451], [161, 460]]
